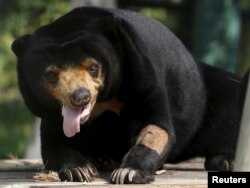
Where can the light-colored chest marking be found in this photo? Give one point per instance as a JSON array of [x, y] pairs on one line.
[[113, 105]]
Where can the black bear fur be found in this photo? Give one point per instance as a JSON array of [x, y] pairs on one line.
[[152, 73]]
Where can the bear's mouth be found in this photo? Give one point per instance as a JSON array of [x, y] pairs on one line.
[[73, 117]]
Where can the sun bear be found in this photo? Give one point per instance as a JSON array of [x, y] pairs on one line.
[[116, 87]]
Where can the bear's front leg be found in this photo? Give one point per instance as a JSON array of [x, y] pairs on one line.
[[57, 156], [144, 158]]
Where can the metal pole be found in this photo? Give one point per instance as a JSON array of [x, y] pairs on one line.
[[242, 161]]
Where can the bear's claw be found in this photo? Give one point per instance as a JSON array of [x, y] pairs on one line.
[[130, 176], [79, 174]]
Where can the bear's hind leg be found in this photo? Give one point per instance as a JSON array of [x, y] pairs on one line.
[[221, 162]]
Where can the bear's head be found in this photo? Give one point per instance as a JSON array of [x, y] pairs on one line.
[[67, 67]]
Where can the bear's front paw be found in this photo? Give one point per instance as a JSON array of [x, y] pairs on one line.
[[130, 176], [84, 173]]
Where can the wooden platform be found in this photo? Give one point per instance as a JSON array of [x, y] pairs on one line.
[[19, 173]]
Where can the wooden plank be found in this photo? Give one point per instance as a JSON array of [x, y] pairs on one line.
[[242, 162], [20, 165], [180, 180], [19, 173]]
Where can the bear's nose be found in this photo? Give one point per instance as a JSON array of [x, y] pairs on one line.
[[80, 97]]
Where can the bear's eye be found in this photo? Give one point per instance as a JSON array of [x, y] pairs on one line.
[[93, 69], [51, 76]]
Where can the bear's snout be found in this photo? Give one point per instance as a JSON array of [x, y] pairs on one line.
[[80, 97]]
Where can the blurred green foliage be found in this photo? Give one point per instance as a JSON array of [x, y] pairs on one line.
[[18, 18], [244, 56], [168, 18], [15, 128]]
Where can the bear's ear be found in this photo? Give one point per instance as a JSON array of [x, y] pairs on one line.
[[20, 44]]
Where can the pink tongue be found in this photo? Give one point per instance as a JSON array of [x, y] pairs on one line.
[[71, 119]]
